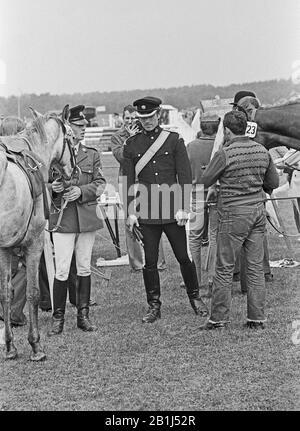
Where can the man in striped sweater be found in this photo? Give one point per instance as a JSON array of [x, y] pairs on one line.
[[245, 171]]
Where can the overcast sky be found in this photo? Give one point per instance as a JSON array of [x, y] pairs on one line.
[[67, 46]]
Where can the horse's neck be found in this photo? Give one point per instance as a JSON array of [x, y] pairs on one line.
[[42, 149]]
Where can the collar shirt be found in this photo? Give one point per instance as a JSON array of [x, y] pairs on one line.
[[76, 149]]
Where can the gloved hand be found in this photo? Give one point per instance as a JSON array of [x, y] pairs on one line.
[[212, 195], [182, 217], [72, 193], [57, 186], [131, 221]]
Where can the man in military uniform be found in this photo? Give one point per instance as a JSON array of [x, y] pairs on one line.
[[158, 161], [134, 249], [77, 227]]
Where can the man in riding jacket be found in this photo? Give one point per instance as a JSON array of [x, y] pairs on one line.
[[76, 227], [158, 175]]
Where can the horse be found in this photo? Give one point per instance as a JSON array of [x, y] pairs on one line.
[[46, 143], [278, 125]]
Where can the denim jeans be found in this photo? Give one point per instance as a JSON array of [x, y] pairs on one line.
[[240, 226], [240, 267], [210, 262], [196, 228]]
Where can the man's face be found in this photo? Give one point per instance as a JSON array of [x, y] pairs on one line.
[[79, 132], [149, 123], [128, 118]]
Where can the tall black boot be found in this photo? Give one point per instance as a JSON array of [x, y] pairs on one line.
[[152, 286], [189, 275], [72, 281], [83, 294], [59, 305]]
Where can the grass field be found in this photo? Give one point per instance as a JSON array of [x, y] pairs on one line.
[[169, 365]]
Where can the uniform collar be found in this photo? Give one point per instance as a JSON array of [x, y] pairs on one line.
[[153, 132], [82, 153]]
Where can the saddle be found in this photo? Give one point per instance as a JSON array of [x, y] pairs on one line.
[[18, 151]]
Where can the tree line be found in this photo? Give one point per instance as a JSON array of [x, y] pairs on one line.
[[185, 97]]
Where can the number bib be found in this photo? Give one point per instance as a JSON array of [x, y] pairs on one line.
[[251, 129]]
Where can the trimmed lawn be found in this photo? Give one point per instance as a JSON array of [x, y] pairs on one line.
[[169, 365]]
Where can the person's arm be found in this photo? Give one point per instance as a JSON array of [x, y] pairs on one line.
[[92, 190], [117, 147], [128, 182], [271, 178], [214, 169]]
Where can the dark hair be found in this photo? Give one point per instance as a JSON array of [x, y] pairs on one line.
[[209, 128], [235, 121], [128, 108]]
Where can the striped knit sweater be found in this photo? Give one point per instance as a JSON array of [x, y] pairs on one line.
[[246, 165], [244, 168]]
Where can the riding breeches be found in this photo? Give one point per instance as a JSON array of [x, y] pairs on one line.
[[64, 245]]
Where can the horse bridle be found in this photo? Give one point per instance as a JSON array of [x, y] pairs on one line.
[[56, 165]]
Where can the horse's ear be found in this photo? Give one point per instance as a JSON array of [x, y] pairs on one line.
[[38, 122], [36, 115], [65, 113]]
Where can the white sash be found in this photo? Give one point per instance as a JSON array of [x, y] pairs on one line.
[[157, 144]]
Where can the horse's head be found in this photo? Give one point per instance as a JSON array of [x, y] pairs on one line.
[[57, 139], [249, 106]]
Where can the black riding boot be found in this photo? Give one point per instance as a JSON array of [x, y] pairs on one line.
[[152, 286], [189, 275], [72, 281], [59, 303], [82, 302]]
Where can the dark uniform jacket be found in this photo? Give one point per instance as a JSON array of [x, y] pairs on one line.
[[169, 167], [80, 215]]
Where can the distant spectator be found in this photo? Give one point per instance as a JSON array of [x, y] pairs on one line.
[[199, 153], [117, 120], [11, 126]]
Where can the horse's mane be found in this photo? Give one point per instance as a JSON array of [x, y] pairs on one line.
[[37, 126], [281, 104]]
